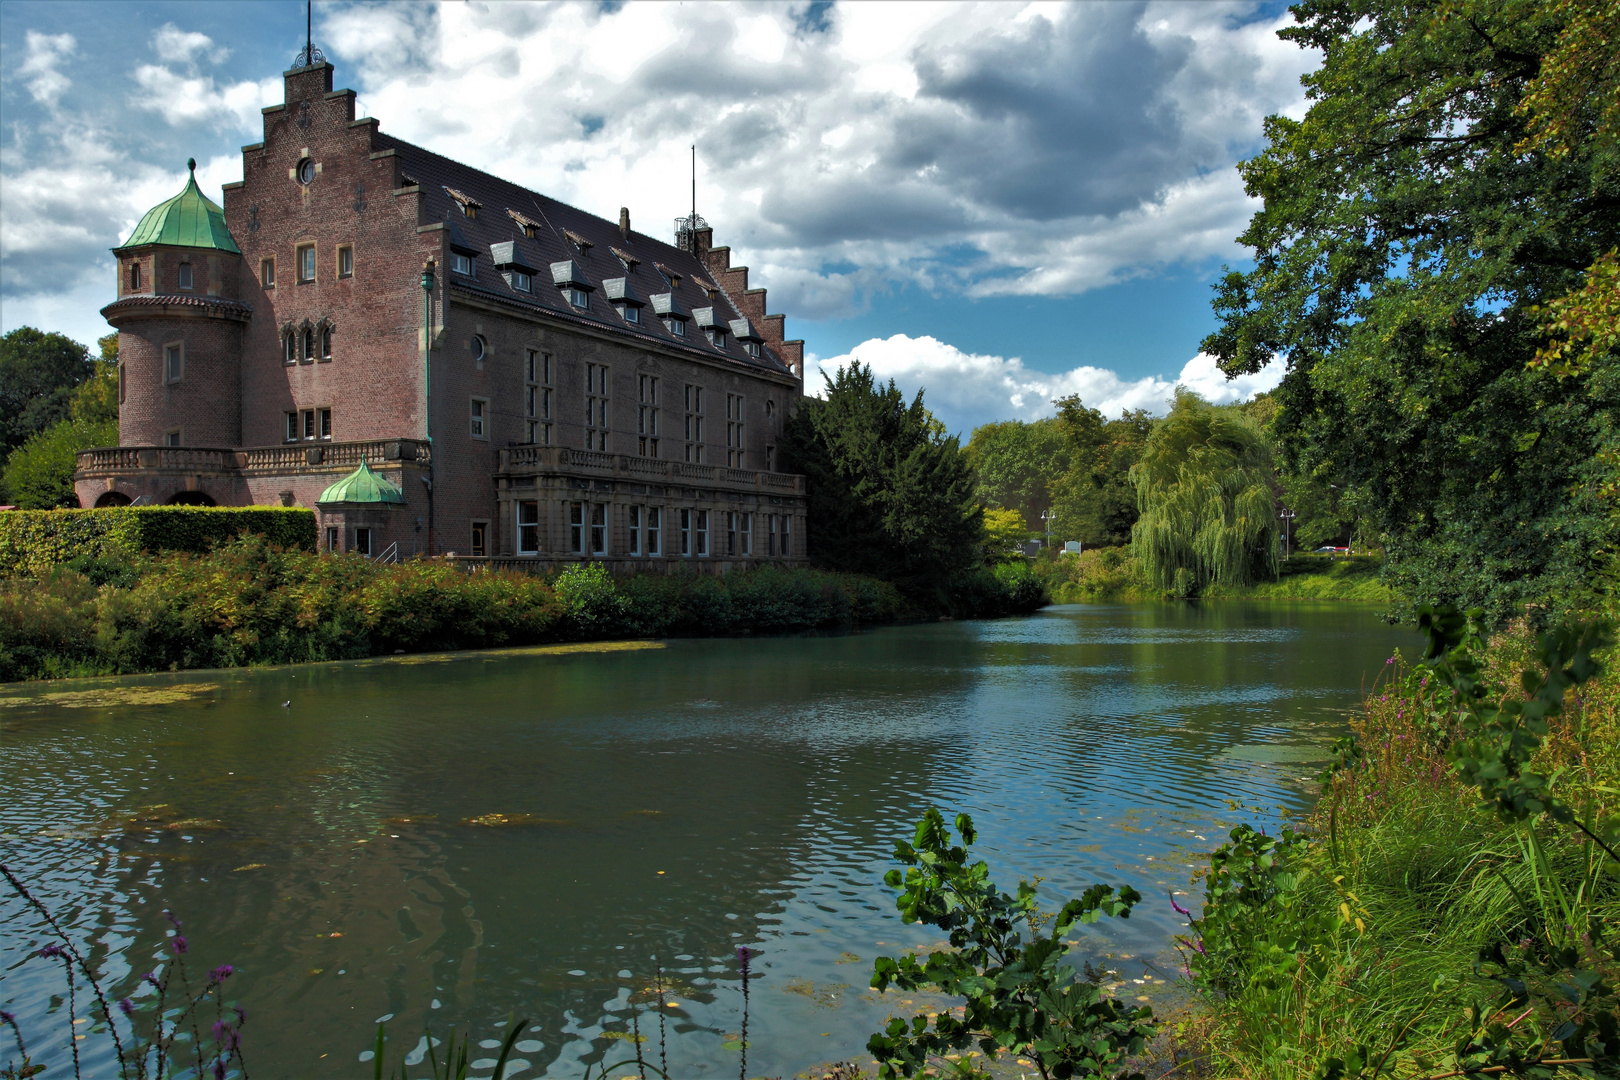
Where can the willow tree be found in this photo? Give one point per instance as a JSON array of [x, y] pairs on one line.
[[1203, 493]]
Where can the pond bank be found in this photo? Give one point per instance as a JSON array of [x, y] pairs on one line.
[[247, 603], [1112, 575]]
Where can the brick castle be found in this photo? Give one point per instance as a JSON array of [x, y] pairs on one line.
[[438, 361]]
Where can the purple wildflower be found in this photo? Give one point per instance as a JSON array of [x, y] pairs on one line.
[[221, 1029], [241, 1015], [221, 973], [127, 1006], [1391, 660], [219, 1069], [178, 944], [150, 977], [7, 1017], [52, 951], [1179, 909], [172, 918]]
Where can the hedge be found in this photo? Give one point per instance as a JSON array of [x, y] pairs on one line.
[[33, 542]]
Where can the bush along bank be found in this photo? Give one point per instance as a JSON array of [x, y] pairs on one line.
[[1115, 575], [33, 542], [1452, 907], [250, 602]]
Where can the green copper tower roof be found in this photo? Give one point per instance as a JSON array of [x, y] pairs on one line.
[[187, 220], [362, 486]]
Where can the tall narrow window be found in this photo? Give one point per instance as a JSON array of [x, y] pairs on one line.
[[537, 398], [267, 273], [325, 343], [173, 363], [345, 266], [787, 535], [576, 528], [655, 530], [597, 410], [694, 424], [326, 423], [309, 344], [292, 427], [731, 532], [632, 521], [599, 532], [770, 459], [306, 263], [770, 535], [686, 531], [120, 384], [172, 438], [331, 538], [309, 423], [289, 347], [528, 527], [700, 532], [647, 416], [734, 431], [480, 536], [362, 540], [480, 426], [134, 277], [745, 535], [185, 276]]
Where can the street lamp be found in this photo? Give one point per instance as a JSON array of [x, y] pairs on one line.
[[1049, 516], [1287, 516]]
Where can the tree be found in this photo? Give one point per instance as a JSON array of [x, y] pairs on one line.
[[1203, 487], [38, 372], [1004, 533], [39, 474], [1094, 498], [1016, 464], [1409, 239], [891, 495]]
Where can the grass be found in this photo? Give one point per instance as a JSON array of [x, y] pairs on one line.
[[1407, 884], [1113, 575]]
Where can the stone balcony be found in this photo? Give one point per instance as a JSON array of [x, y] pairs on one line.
[[253, 461], [518, 461]]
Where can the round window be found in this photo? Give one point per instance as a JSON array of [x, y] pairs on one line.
[[478, 348], [306, 171]]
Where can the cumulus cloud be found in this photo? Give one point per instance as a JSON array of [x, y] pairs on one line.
[[45, 52], [177, 46], [968, 389], [1034, 149], [190, 99]]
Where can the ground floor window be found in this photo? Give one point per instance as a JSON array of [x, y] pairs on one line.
[[331, 538], [686, 532], [632, 522], [745, 534], [787, 535], [731, 517], [700, 533], [599, 532], [362, 540], [480, 536], [528, 527]]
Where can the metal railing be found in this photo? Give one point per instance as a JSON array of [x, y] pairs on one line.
[[560, 459], [390, 554]]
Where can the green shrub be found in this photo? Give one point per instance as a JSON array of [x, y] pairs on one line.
[[592, 607], [32, 542]]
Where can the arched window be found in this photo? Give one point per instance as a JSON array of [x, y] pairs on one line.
[[134, 277], [477, 347], [289, 345], [326, 341], [309, 342]]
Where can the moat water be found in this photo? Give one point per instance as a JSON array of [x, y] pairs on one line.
[[328, 830]]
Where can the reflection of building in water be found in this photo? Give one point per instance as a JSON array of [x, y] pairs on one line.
[[520, 378]]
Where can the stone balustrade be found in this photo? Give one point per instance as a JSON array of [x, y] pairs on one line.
[[258, 460]]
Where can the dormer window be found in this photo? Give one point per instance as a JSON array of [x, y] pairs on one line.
[[753, 350], [461, 264], [185, 276], [675, 326], [578, 297], [668, 275], [632, 314], [716, 336], [624, 298], [469, 205], [670, 313], [530, 227], [522, 282], [627, 260], [572, 283], [581, 244]]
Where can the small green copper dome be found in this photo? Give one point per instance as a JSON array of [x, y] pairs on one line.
[[362, 486], [187, 220]]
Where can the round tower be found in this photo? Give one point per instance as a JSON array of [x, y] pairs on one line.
[[180, 326]]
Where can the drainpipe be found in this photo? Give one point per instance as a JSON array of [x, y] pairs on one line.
[[427, 388]]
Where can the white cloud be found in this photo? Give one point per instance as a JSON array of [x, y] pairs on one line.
[[191, 99], [1038, 149], [968, 389], [177, 46], [45, 84]]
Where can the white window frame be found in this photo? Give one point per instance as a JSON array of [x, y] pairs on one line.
[[522, 282], [478, 418], [267, 272], [700, 533], [366, 529], [323, 424], [528, 532], [655, 531], [745, 533], [578, 297], [461, 264], [599, 528], [632, 523], [305, 257], [576, 528], [685, 515]]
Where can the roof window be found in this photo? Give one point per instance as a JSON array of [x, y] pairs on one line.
[[629, 261], [469, 205], [669, 275], [579, 242], [530, 227], [461, 264]]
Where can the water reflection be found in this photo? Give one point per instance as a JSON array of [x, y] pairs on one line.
[[342, 851]]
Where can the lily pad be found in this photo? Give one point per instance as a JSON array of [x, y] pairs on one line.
[[104, 696]]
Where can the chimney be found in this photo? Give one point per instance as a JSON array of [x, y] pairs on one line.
[[624, 222]]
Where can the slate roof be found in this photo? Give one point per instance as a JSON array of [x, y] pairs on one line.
[[187, 220], [559, 228]]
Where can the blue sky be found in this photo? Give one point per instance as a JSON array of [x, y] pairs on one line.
[[1000, 203]]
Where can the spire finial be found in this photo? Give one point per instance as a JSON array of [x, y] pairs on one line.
[[311, 55], [191, 163]]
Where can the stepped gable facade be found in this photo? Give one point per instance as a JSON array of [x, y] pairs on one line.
[[530, 381]]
